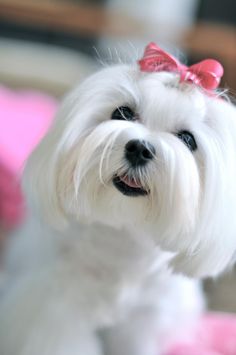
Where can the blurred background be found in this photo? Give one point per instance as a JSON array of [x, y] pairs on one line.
[[48, 46]]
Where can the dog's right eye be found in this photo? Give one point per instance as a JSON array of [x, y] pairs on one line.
[[188, 139], [123, 113]]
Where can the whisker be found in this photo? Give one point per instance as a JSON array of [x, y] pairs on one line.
[[110, 53], [99, 58], [117, 55]]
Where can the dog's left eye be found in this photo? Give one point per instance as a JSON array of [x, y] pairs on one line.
[[188, 139], [124, 113]]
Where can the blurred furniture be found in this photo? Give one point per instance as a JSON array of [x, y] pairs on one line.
[[215, 35], [49, 44], [68, 16], [217, 11], [217, 41]]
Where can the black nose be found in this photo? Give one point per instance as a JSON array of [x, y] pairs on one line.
[[139, 152]]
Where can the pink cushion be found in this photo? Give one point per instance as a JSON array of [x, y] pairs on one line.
[[214, 335], [25, 116]]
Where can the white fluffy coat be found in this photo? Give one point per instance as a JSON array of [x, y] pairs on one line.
[[94, 272]]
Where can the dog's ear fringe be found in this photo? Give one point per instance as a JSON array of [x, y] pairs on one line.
[[40, 182], [41, 178]]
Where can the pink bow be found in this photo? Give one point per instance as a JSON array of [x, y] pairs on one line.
[[206, 73]]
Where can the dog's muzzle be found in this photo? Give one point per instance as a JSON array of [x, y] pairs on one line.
[[138, 152]]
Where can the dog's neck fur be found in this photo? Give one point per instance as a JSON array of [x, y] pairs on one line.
[[117, 264], [116, 248]]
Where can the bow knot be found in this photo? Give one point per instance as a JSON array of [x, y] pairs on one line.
[[206, 73]]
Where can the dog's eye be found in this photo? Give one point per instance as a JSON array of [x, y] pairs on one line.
[[123, 113], [188, 139]]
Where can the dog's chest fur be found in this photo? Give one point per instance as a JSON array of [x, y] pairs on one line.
[[96, 265]]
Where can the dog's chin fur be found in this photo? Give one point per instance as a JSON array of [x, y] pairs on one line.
[[90, 254]]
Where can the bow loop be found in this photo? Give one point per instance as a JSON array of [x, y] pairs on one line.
[[206, 74], [155, 59]]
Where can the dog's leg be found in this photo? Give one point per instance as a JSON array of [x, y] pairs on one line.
[[38, 317], [135, 336], [149, 329]]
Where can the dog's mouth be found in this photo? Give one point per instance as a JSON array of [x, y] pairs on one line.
[[129, 186]]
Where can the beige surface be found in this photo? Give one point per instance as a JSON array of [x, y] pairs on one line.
[[222, 292], [43, 67]]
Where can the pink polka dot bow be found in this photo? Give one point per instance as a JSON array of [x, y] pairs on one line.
[[206, 74]]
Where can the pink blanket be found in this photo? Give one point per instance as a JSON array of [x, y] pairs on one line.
[[214, 335], [25, 116]]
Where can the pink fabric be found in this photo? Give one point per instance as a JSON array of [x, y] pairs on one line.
[[214, 335], [206, 73], [25, 116], [11, 199]]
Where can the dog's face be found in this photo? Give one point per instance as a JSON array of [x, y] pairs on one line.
[[141, 151]]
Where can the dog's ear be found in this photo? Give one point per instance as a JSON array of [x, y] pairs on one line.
[[48, 173], [204, 263], [40, 180]]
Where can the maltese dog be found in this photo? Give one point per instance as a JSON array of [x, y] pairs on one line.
[[132, 198]]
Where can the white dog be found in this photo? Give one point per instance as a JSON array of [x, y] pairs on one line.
[[134, 183]]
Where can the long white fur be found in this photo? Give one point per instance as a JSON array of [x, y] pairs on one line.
[[95, 272]]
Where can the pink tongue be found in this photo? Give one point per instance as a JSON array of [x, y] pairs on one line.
[[130, 182]]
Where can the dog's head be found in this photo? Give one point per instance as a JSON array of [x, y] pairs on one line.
[[143, 151]]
